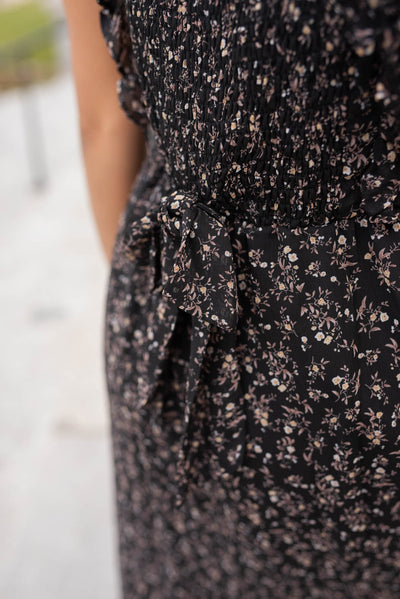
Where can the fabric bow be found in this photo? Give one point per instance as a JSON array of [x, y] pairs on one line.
[[197, 276]]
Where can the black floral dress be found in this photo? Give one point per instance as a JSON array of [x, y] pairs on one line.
[[252, 337]]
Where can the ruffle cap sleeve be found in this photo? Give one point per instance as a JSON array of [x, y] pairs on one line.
[[115, 28]]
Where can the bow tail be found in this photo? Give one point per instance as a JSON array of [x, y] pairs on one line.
[[200, 337], [151, 366], [194, 260]]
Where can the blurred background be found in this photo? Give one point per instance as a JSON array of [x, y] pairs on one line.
[[57, 520]]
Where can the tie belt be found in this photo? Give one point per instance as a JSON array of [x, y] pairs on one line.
[[197, 276]]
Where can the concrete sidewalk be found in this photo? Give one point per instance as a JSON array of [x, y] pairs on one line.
[[57, 517]]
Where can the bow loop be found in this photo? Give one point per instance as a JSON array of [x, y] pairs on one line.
[[199, 273], [177, 213]]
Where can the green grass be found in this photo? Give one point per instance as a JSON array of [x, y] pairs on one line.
[[26, 43]]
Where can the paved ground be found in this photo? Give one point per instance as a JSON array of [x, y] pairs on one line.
[[57, 537]]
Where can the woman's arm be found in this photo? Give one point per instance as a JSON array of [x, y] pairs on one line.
[[113, 146]]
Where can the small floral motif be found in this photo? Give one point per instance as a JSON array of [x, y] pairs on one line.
[[252, 324]]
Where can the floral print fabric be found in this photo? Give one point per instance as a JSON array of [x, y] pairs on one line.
[[253, 325]]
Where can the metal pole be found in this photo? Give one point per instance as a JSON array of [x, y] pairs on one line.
[[34, 137]]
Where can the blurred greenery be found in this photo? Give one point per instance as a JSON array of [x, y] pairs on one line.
[[27, 43]]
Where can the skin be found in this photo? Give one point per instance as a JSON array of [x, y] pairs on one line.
[[113, 146]]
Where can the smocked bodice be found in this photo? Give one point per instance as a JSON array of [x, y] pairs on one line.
[[267, 110]]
